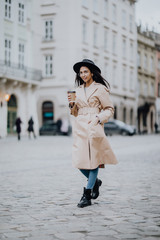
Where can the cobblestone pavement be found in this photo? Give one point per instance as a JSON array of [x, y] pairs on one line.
[[39, 191]]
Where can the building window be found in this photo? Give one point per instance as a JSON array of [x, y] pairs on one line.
[[95, 6], [114, 13], [131, 80], [131, 23], [106, 70], [151, 64], [8, 8], [145, 61], [124, 114], [95, 35], [152, 89], [48, 65], [84, 30], [48, 29], [131, 51], [131, 116], [145, 88], [138, 59], [124, 77], [115, 112], [124, 48], [106, 8], [114, 43], [124, 19], [7, 53], [20, 12], [139, 90], [21, 55], [105, 39], [114, 74]]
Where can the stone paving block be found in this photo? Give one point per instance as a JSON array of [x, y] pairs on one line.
[[40, 191]]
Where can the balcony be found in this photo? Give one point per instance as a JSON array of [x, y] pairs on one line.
[[24, 74]]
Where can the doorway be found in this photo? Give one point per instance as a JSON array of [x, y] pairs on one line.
[[47, 111], [12, 114]]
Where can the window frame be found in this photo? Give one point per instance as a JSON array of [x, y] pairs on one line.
[[8, 9], [7, 51]]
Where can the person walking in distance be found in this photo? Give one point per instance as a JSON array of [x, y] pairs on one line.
[[91, 109], [18, 128], [31, 128]]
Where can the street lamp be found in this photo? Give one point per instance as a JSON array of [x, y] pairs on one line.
[[5, 97]]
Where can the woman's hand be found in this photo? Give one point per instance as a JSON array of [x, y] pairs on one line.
[[95, 121], [69, 100]]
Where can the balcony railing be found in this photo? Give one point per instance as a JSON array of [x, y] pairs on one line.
[[10, 69]]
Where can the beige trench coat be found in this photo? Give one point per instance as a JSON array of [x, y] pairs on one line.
[[90, 146]]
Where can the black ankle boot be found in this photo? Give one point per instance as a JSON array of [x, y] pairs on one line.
[[95, 191], [86, 199]]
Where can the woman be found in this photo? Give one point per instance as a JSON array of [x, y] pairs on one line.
[[92, 108]]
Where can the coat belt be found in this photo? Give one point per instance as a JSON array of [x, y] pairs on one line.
[[88, 110]]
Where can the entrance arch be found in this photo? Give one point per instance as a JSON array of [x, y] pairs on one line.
[[12, 113], [47, 111]]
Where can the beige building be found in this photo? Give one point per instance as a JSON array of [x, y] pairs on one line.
[[146, 82]]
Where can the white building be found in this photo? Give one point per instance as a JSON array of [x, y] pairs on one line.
[[51, 35], [101, 30], [18, 75]]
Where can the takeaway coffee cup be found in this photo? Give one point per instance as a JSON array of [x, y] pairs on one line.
[[73, 95]]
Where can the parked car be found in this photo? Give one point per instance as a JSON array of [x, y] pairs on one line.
[[51, 128], [118, 127], [48, 128]]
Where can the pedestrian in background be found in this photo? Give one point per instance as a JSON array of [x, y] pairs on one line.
[[59, 124], [156, 127], [18, 128], [31, 128], [92, 108]]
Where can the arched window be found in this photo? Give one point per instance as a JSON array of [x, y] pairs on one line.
[[47, 111], [13, 101], [12, 113]]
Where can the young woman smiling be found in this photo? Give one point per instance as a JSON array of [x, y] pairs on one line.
[[92, 108]]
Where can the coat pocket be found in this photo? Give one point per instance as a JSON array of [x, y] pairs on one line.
[[96, 131]]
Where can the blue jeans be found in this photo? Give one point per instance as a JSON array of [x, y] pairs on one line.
[[91, 175]]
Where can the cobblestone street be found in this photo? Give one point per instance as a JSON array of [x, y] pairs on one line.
[[40, 190]]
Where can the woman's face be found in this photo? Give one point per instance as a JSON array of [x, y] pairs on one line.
[[86, 75]]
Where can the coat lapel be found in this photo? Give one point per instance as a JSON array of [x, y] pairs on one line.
[[92, 88], [82, 94]]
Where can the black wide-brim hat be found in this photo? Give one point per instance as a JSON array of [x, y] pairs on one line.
[[87, 63]]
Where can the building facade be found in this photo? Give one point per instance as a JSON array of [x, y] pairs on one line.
[[103, 31], [146, 82], [19, 76], [51, 35], [156, 37]]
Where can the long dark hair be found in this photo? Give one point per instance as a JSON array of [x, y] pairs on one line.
[[97, 77]]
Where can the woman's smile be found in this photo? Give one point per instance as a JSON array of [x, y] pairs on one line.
[[86, 75]]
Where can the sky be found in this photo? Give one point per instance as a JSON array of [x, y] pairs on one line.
[[148, 12]]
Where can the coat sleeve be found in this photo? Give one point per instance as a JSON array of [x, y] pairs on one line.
[[107, 106], [74, 110]]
